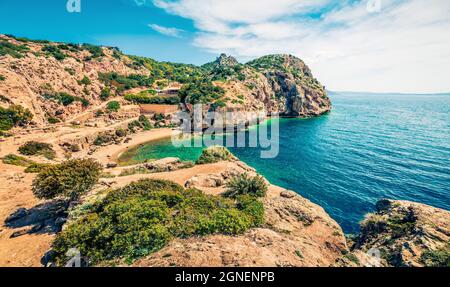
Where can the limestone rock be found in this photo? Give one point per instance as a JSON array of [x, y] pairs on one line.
[[407, 234]]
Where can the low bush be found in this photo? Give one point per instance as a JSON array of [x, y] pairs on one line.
[[55, 52], [145, 123], [113, 106], [37, 148], [70, 71], [16, 160], [201, 92], [14, 116], [70, 179], [85, 81], [103, 139], [149, 97], [36, 167], [95, 51], [244, 184], [215, 154], [123, 83], [66, 99], [142, 123], [144, 216], [15, 51], [53, 120], [105, 94], [436, 258], [2, 78]]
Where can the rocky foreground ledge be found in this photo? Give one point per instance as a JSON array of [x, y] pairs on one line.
[[300, 233], [403, 234], [296, 232]]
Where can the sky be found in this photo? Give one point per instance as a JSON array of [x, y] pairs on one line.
[[400, 46]]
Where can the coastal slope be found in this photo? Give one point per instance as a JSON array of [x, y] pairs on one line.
[[84, 101]]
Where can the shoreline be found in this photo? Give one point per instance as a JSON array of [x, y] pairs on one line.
[[114, 152]]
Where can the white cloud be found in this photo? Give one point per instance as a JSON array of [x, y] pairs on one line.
[[405, 47], [168, 31]]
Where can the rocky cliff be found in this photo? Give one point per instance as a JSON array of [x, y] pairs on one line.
[[280, 84]]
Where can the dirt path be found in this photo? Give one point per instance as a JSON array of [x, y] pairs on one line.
[[15, 192]]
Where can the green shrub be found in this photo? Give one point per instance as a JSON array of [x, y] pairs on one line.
[[105, 94], [252, 207], [145, 123], [123, 83], [66, 99], [71, 179], [436, 258], [15, 51], [103, 139], [14, 116], [352, 257], [2, 78], [142, 217], [85, 81], [13, 159], [133, 125], [142, 123], [36, 167], [245, 185], [70, 71], [231, 221], [201, 92], [54, 51], [149, 97], [95, 51], [37, 148], [113, 106], [215, 154], [31, 166], [53, 120]]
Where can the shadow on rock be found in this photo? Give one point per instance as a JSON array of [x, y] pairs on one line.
[[48, 218]]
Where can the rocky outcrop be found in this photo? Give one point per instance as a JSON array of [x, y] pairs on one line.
[[403, 233], [281, 84], [297, 92]]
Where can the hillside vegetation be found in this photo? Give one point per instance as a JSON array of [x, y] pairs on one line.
[[55, 81]]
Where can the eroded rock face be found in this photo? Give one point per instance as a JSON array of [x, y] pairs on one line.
[[406, 234], [297, 92], [273, 84], [296, 232]]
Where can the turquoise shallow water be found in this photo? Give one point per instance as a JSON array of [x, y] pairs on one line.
[[369, 147]]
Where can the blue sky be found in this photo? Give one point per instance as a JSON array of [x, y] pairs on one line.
[[353, 45], [119, 23]]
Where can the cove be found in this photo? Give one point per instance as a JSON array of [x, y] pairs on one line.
[[371, 146]]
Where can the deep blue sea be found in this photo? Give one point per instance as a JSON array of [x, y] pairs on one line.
[[371, 146]]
